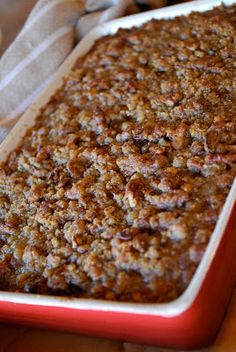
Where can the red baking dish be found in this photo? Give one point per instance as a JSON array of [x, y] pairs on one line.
[[192, 320]]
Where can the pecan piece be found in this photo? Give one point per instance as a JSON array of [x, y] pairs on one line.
[[171, 200], [212, 140], [220, 158], [127, 234], [134, 190]]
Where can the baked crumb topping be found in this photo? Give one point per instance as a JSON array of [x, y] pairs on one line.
[[116, 190]]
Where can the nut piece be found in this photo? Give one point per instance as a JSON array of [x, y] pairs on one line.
[[178, 231]]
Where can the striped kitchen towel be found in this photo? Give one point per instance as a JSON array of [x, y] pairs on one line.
[[44, 42]]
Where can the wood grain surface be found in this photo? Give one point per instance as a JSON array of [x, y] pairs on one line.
[[19, 339]]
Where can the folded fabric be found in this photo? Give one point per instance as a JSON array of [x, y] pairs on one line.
[[48, 36]]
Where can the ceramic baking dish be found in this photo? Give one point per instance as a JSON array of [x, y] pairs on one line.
[[190, 321]]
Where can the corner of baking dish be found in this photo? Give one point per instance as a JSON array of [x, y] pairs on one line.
[[185, 301]]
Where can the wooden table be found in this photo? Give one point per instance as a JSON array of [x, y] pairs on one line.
[[20, 339]]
